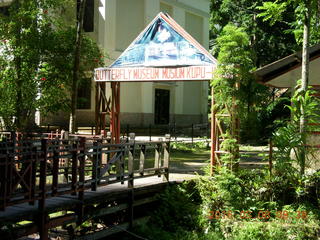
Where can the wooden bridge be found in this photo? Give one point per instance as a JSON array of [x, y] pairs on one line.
[[46, 182]]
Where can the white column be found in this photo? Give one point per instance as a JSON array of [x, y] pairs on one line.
[[110, 26]]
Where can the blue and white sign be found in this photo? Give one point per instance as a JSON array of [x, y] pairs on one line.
[[161, 45]]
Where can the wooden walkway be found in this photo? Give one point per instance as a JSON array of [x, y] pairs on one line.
[[56, 182]]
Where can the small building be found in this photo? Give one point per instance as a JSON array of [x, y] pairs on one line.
[[285, 72]]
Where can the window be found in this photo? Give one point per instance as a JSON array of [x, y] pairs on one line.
[[88, 21], [88, 18], [84, 95]]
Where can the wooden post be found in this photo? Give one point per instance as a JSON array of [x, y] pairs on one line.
[[142, 159], [115, 112], [74, 168], [166, 157], [131, 159], [157, 158], [121, 164], [95, 166], [55, 169], [33, 163], [97, 110], [43, 219], [4, 178], [82, 159]]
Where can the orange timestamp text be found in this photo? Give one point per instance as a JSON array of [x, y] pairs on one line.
[[261, 215]]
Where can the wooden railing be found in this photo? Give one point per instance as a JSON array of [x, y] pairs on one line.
[[40, 168]]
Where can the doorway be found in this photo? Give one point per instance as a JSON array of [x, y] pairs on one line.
[[162, 106]]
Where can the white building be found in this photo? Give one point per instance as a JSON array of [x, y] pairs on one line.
[[114, 24]]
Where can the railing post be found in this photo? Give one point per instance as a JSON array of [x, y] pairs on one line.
[[121, 164], [43, 173], [74, 167], [82, 160], [130, 159], [157, 157], [95, 166], [131, 177], [55, 168], [34, 157], [43, 220], [4, 178], [166, 157], [11, 164], [142, 159]]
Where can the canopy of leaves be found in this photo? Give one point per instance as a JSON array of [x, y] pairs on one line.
[[268, 43], [275, 12], [36, 60]]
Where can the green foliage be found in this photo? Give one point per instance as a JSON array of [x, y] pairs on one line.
[[268, 43], [189, 147], [235, 90], [265, 44], [178, 208], [36, 59], [272, 11], [234, 65], [184, 212], [288, 140], [231, 147]]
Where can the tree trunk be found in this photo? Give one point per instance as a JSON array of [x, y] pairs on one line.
[[304, 82], [76, 66]]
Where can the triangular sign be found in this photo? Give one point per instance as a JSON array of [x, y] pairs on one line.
[[163, 51]]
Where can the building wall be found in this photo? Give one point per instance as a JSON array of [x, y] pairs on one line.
[[117, 24]]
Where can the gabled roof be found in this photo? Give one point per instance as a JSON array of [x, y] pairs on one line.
[[163, 51], [286, 71], [164, 43]]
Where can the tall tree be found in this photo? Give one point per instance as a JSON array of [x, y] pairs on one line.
[[304, 10], [25, 31], [76, 67], [37, 48], [231, 81]]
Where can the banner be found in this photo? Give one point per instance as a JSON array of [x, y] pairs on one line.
[[153, 74]]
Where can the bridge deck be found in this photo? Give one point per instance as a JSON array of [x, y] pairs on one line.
[[25, 211]]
